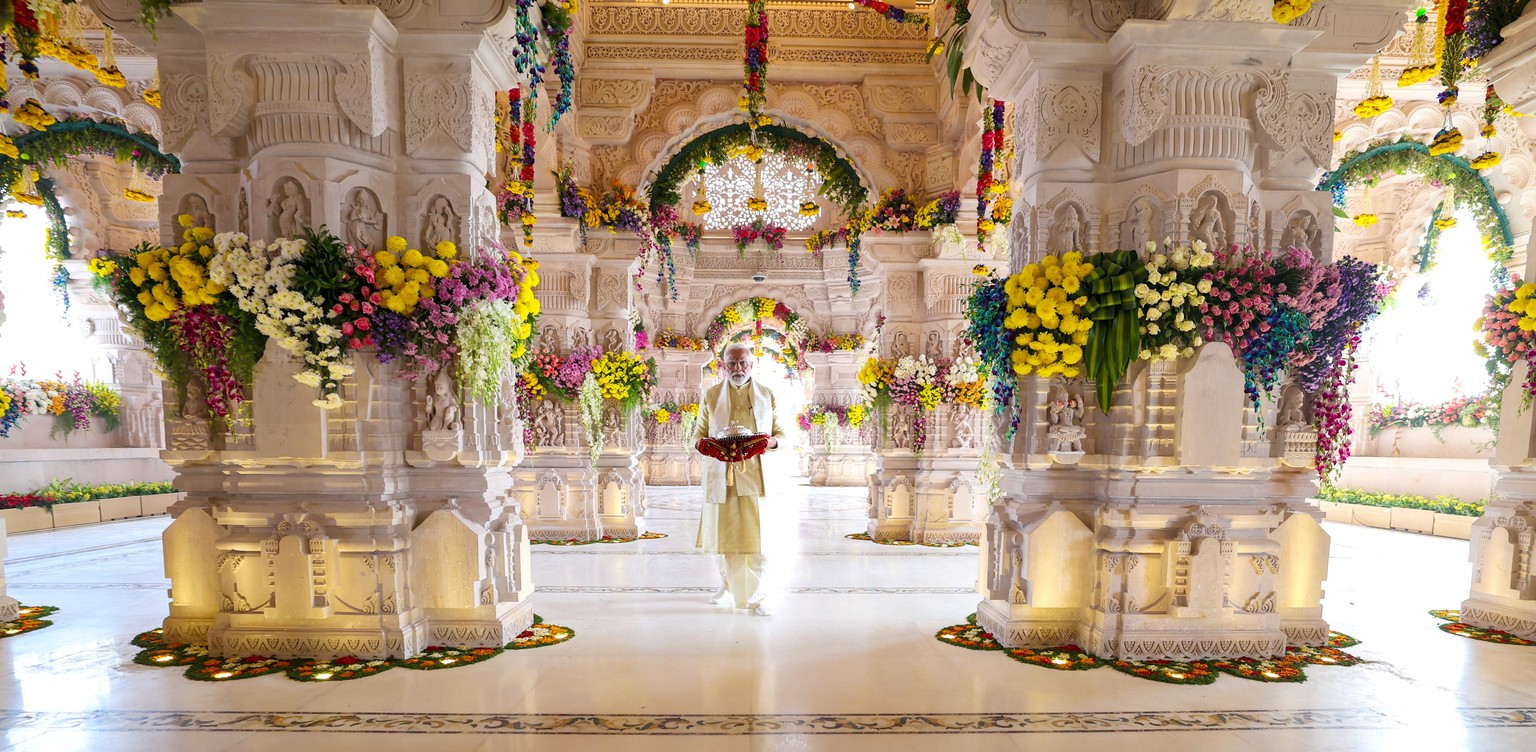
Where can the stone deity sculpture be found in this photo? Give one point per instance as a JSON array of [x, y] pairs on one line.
[[439, 223], [1290, 416], [1067, 235], [1137, 229], [197, 208], [290, 211], [1065, 411], [1302, 232], [195, 403], [363, 222], [442, 406], [1205, 223]]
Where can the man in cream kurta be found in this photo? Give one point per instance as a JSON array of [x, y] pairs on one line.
[[731, 526]]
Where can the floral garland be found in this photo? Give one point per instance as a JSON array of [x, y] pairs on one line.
[[515, 201], [745, 235], [893, 13], [588, 376], [894, 212], [620, 209], [685, 414], [320, 300], [558, 17], [986, 188], [1408, 157], [1466, 411], [1453, 63], [670, 340], [1331, 370], [758, 311], [833, 420], [1484, 20], [923, 383], [1172, 300], [71, 403], [1504, 339], [1424, 56], [835, 343], [840, 181], [755, 63]]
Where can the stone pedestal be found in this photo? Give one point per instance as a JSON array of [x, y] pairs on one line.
[[1179, 550], [936, 497], [8, 605], [563, 495], [321, 534]]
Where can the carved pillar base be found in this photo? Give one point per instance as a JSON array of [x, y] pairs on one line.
[[949, 505], [307, 536], [563, 497], [670, 465], [892, 502], [843, 465], [1160, 572], [8, 605], [1503, 593]]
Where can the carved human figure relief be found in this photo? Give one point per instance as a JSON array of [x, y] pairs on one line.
[[364, 219], [196, 207], [1139, 225], [934, 346], [195, 404], [1302, 232], [289, 208], [244, 218], [443, 406], [1291, 416], [1206, 223], [1069, 232], [611, 340], [440, 223], [1064, 407]]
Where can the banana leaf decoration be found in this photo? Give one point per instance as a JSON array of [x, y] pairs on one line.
[[1116, 334]]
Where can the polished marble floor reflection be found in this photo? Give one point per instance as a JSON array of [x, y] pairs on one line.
[[846, 662]]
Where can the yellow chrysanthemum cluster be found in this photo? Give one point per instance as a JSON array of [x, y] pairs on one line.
[[101, 267], [1045, 307], [1486, 160], [171, 279], [532, 385], [1372, 106], [526, 307], [8, 147], [1286, 11], [405, 275], [1447, 141], [971, 393], [1525, 305], [619, 373], [876, 372], [857, 414]]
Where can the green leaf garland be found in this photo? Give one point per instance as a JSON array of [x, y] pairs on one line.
[[1115, 338]]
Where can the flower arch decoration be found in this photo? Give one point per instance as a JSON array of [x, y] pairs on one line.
[[53, 146], [1410, 157], [761, 319], [841, 180]]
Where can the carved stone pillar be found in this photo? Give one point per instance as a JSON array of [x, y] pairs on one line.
[[838, 455], [669, 458], [121, 361], [370, 529], [1503, 588], [1166, 526]]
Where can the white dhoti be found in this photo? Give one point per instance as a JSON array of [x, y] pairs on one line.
[[733, 533]]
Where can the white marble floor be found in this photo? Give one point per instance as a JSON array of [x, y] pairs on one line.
[[847, 661]]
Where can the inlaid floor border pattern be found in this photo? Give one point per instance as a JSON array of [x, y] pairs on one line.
[[746, 724]]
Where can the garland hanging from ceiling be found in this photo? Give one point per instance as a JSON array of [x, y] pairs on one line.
[[840, 181]]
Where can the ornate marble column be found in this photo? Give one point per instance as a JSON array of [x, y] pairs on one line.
[[845, 457], [563, 494], [1179, 531], [935, 495], [354, 531], [1503, 588]]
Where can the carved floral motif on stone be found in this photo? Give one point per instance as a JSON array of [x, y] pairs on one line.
[[1143, 100], [1069, 113], [1295, 119], [438, 103], [229, 93]]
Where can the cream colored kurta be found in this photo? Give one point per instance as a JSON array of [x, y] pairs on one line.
[[735, 526]]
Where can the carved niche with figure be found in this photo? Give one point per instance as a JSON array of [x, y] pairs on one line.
[[364, 219], [289, 209]]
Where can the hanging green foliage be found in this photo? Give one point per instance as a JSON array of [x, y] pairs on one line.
[[56, 144], [839, 180], [1115, 338]]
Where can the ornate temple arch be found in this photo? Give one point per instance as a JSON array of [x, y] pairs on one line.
[[887, 156]]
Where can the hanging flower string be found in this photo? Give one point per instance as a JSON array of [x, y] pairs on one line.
[[516, 197], [1452, 51], [1376, 100], [1421, 53], [1492, 106], [756, 64], [558, 17], [991, 146]]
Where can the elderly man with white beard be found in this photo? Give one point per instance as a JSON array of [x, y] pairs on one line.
[[731, 526]]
